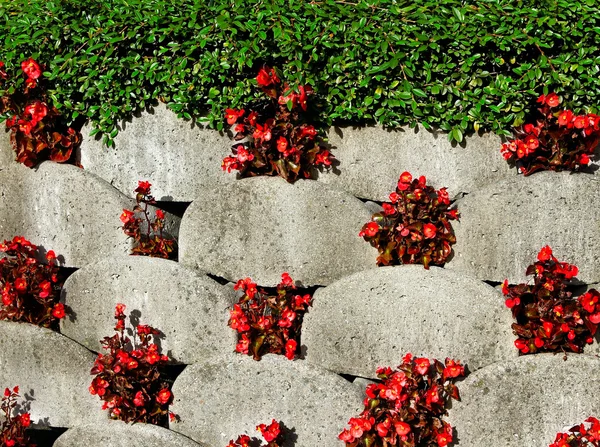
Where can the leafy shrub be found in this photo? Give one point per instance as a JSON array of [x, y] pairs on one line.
[[268, 323], [152, 241], [558, 140], [580, 436], [272, 434], [414, 228], [547, 318], [37, 132], [30, 289], [128, 378], [406, 408], [13, 427], [448, 63], [280, 140]]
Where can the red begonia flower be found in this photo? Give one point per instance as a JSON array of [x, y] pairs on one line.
[[163, 396], [31, 68]]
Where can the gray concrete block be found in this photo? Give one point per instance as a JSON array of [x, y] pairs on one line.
[[190, 309], [178, 158], [220, 400], [263, 226], [372, 159], [373, 318], [7, 155], [526, 402], [52, 372], [65, 209], [120, 434], [504, 226]]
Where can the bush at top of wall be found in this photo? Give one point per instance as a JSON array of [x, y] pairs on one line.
[[441, 63]]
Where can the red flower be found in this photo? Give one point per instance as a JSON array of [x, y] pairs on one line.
[[287, 317], [37, 111], [369, 230], [388, 209], [323, 158], [163, 396], [422, 365], [287, 281], [453, 369], [160, 214], [552, 100], [302, 97], [25, 126], [532, 142], [402, 428], [233, 115], [290, 349], [262, 133], [25, 420], [139, 400], [565, 118], [307, 131], [127, 217], [59, 311], [243, 345], [580, 121], [282, 144], [21, 284], [443, 439], [50, 256], [266, 76], [230, 163], [405, 180], [271, 432], [119, 310], [45, 289], [584, 159], [302, 301], [143, 188], [30, 83], [429, 231], [512, 302], [243, 155], [247, 286], [238, 320], [545, 254], [31, 68]]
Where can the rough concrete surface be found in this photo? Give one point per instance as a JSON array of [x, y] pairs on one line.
[[504, 226], [263, 226], [371, 160], [120, 434], [190, 309], [65, 209], [220, 400], [527, 401], [179, 159], [373, 318], [52, 372]]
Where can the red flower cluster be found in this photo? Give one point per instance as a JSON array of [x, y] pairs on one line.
[[269, 323], [406, 407], [30, 289], [271, 433], [547, 318], [580, 436], [128, 378], [280, 141], [414, 228], [13, 428], [151, 242], [559, 139], [37, 133]]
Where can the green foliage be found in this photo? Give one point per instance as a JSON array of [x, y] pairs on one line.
[[455, 65]]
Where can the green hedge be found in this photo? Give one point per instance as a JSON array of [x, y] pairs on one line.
[[454, 65]]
